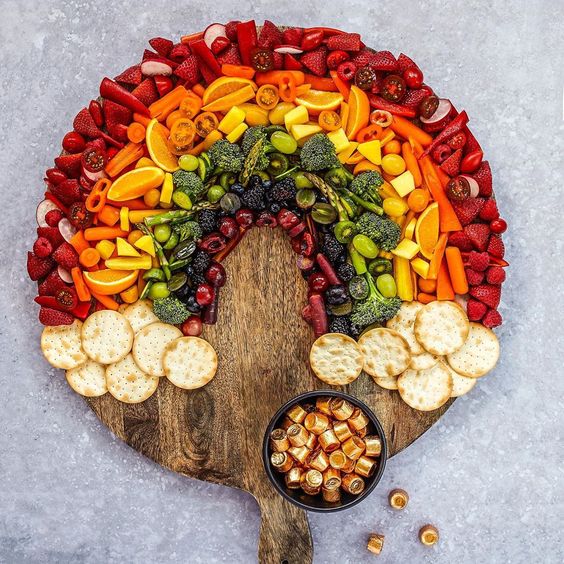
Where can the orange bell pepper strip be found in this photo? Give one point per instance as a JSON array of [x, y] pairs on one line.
[[273, 77], [131, 153], [341, 85], [437, 258], [287, 88], [78, 242], [109, 215], [321, 83], [99, 233], [81, 288], [445, 291], [456, 270], [238, 71], [106, 301], [369, 133], [187, 39], [406, 129], [96, 200]]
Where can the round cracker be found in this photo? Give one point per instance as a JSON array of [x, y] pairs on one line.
[[387, 382], [478, 355], [403, 322], [336, 359], [107, 336], [386, 352], [424, 361], [190, 362], [140, 314], [150, 344], [62, 345], [128, 383], [441, 327], [426, 390], [88, 379], [460, 384]]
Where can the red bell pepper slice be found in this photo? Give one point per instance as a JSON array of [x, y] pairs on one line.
[[81, 310], [201, 50], [452, 128], [116, 93], [378, 103], [48, 301], [247, 40]]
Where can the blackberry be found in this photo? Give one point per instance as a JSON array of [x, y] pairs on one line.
[[354, 331], [253, 197], [346, 271], [207, 220], [340, 325], [331, 248], [200, 262], [283, 191]]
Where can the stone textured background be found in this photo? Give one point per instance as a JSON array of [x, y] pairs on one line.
[[489, 475]]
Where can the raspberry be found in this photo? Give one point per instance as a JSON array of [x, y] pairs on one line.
[[495, 275], [475, 310], [492, 319], [42, 247], [53, 217], [474, 277], [478, 261]]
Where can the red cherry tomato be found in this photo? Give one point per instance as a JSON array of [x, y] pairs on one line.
[[471, 161], [74, 142], [498, 225], [413, 77]]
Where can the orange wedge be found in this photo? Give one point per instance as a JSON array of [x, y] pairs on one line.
[[109, 282], [225, 103], [427, 230], [157, 143], [318, 100], [223, 87], [359, 111], [136, 183]]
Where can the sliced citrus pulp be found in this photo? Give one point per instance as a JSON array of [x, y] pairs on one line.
[[109, 282], [427, 230], [224, 86], [136, 183], [317, 101], [359, 112], [225, 103], [157, 144]]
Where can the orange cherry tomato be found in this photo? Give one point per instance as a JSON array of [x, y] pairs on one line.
[[369, 133], [392, 147], [182, 132], [418, 200], [287, 87], [427, 286], [191, 105], [381, 117], [267, 96], [205, 123], [329, 120]]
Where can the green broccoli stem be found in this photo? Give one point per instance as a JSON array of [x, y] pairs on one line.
[[287, 173], [158, 249], [357, 260], [329, 193], [363, 203]]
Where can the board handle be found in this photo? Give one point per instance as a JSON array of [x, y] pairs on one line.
[[284, 532]]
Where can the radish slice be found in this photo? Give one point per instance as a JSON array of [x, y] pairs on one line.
[[474, 187], [93, 176], [440, 118], [288, 50], [462, 301], [67, 229], [155, 67], [212, 32], [64, 274], [42, 210]]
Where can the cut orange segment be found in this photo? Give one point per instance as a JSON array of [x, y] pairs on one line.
[[318, 100], [223, 87], [136, 183], [427, 230], [157, 144], [359, 111], [225, 103], [109, 282]]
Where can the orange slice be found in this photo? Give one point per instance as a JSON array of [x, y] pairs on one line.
[[109, 282], [136, 183], [317, 101], [223, 87], [427, 230], [157, 143], [225, 103], [359, 111]]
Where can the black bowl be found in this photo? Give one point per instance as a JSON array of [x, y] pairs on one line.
[[316, 503]]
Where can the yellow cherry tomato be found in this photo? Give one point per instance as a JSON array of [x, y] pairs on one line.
[[394, 207], [152, 197], [267, 97], [393, 164], [276, 115], [329, 120]]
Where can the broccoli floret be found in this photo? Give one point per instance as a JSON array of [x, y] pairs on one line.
[[251, 136], [318, 153], [189, 183], [171, 310], [189, 230], [384, 232], [226, 156], [375, 308], [366, 185]]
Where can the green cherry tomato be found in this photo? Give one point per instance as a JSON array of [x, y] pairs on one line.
[[162, 232], [188, 162], [387, 285], [159, 290]]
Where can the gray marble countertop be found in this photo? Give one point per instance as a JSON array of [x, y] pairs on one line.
[[489, 475]]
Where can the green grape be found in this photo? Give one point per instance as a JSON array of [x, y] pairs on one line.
[[301, 181], [283, 142], [387, 285], [215, 193], [188, 162], [159, 290], [365, 246], [162, 232], [305, 198]]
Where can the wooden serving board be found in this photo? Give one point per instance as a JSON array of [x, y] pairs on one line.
[[215, 433]]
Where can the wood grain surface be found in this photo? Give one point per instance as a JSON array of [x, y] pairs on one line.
[[215, 433]]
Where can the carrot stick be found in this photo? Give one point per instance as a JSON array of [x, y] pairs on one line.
[[89, 257], [425, 298], [197, 149], [441, 175], [106, 301], [168, 103], [137, 204], [187, 39], [341, 85], [238, 71], [321, 83], [143, 120], [437, 257], [198, 89], [456, 270], [99, 233], [123, 158], [78, 242], [136, 132], [273, 77], [411, 163], [445, 291], [82, 290], [404, 128], [108, 215]]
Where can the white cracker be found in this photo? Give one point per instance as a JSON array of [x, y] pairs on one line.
[[336, 359], [150, 344], [478, 355], [441, 327], [62, 346], [190, 362], [107, 336], [386, 352], [424, 360], [88, 379], [460, 384], [128, 383], [140, 314], [426, 390], [403, 322], [387, 382]]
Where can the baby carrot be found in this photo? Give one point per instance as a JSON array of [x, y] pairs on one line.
[[78, 242], [82, 290], [109, 215], [238, 71], [444, 286], [404, 128], [143, 120], [100, 233], [106, 301], [428, 286], [136, 132], [89, 257], [424, 298], [411, 163], [198, 89], [168, 103], [456, 269]]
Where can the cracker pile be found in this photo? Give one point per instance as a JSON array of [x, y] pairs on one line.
[[126, 353]]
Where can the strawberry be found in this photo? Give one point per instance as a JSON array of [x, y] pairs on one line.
[[496, 248], [132, 76], [161, 45], [219, 44], [474, 277], [489, 210], [362, 58], [471, 142], [231, 30], [67, 191], [85, 125], [492, 319], [467, 210], [146, 92], [495, 275], [188, 70], [52, 234], [50, 316], [118, 131], [414, 96], [66, 256], [316, 61], [38, 267], [405, 62], [69, 164], [179, 52], [478, 261], [451, 165], [479, 234], [383, 61], [344, 42], [483, 176], [461, 240], [52, 284], [457, 141], [292, 36], [277, 60], [475, 310], [116, 113], [487, 294], [230, 56], [53, 217], [270, 36], [291, 63], [42, 247]]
